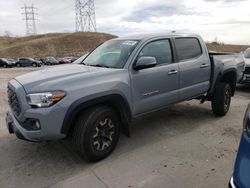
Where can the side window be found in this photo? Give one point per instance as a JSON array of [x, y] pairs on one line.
[[188, 48], [160, 49]]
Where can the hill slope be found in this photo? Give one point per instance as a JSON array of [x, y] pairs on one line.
[[226, 47], [70, 44], [56, 44]]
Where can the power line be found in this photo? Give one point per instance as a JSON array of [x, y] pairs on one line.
[[30, 20], [85, 15]]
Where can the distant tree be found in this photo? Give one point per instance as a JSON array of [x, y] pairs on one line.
[[215, 41]]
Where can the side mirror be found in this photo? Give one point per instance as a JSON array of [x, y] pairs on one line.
[[145, 62]]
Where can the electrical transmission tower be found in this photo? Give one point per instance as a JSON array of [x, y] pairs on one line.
[[29, 17], [85, 15]]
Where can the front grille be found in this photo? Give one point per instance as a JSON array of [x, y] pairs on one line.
[[13, 101], [247, 70]]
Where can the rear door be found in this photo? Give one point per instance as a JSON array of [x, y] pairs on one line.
[[155, 87], [28, 62], [195, 67]]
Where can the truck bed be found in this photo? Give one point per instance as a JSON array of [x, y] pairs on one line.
[[222, 62]]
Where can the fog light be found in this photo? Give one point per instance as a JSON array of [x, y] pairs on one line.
[[31, 124], [38, 125]]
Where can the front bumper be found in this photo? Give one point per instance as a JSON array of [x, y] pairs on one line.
[[50, 119], [12, 128], [46, 132]]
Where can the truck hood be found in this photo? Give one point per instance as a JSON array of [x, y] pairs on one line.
[[50, 78]]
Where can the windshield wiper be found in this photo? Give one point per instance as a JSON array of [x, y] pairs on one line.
[[100, 65]]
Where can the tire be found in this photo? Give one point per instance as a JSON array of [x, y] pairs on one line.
[[34, 65], [4, 66], [221, 99], [18, 65], [96, 133]]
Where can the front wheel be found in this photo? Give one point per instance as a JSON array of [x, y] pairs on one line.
[[221, 99], [34, 65], [96, 133]]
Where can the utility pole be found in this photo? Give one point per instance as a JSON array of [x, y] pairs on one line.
[[85, 16], [30, 20]]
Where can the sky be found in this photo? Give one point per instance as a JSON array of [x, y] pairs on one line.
[[226, 20]]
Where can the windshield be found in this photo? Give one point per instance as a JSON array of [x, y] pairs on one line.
[[247, 53], [11, 60], [113, 54], [79, 60], [51, 59]]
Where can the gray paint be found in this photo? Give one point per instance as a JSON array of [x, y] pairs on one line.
[[144, 90]]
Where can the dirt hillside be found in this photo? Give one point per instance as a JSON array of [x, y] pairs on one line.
[[71, 44], [54, 44], [226, 47]]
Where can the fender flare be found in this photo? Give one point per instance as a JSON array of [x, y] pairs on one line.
[[115, 100], [221, 75]]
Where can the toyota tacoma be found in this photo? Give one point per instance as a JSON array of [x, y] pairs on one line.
[[123, 78]]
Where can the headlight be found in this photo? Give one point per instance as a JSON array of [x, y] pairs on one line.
[[246, 122], [45, 99]]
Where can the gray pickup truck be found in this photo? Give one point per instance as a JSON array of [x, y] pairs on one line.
[[120, 80]]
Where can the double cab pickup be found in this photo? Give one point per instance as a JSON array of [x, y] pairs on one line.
[[123, 78]]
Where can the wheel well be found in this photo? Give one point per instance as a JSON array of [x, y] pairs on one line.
[[230, 78], [117, 102]]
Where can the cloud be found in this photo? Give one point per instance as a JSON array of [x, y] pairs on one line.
[[226, 19], [146, 14], [226, 1]]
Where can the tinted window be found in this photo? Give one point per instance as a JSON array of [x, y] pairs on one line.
[[188, 48], [160, 49]]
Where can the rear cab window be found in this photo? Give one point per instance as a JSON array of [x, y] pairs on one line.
[[188, 48]]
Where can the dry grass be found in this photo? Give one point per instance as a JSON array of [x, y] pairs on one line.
[[227, 47], [56, 44], [70, 44]]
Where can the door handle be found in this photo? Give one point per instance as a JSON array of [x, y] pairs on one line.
[[172, 72], [204, 66]]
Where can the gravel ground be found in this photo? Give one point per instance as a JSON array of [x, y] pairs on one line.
[[181, 146]]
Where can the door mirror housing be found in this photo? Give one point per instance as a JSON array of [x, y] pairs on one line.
[[145, 62]]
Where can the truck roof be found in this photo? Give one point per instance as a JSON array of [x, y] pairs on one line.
[[155, 35]]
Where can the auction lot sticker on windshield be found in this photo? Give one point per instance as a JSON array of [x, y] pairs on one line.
[[130, 43]]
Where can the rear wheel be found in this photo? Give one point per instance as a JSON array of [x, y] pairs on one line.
[[18, 65], [221, 99], [4, 66], [96, 133]]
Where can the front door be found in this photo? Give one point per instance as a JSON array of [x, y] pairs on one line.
[[155, 87]]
